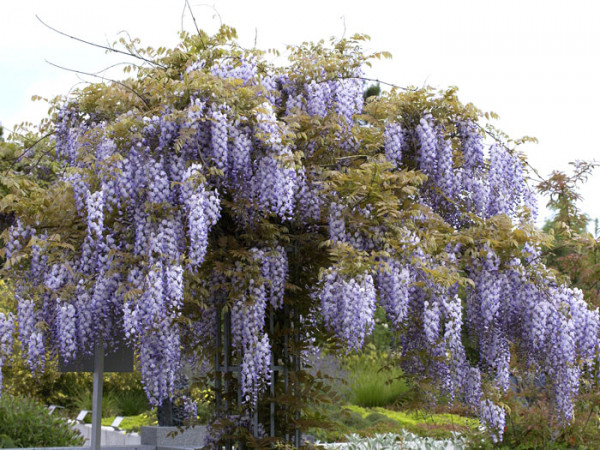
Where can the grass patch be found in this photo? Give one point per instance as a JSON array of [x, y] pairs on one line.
[[368, 422], [416, 421], [83, 400], [369, 385], [132, 402], [133, 423]]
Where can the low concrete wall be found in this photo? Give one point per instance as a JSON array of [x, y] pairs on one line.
[[150, 438], [108, 435], [108, 447], [190, 438]]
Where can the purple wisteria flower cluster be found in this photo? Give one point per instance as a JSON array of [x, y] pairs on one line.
[[348, 307], [486, 183], [7, 328], [248, 317]]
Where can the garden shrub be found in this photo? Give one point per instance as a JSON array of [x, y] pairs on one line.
[[531, 423], [25, 423]]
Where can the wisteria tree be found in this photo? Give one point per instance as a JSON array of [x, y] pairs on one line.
[[213, 181]]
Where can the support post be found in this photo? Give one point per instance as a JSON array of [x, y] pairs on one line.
[[97, 395], [272, 387], [226, 371], [218, 372]]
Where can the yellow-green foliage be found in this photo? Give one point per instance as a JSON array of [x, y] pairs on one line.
[[371, 421], [7, 299], [133, 423], [410, 419]]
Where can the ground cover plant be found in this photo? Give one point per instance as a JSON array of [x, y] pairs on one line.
[[368, 422], [403, 440], [213, 184]]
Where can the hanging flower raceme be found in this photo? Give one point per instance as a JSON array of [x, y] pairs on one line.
[[393, 284], [274, 186], [67, 329], [219, 139], [394, 142], [318, 98], [7, 329], [150, 321], [247, 323], [248, 318], [275, 271], [428, 146], [18, 237], [337, 224], [348, 306], [493, 416], [274, 183], [203, 210], [30, 336]]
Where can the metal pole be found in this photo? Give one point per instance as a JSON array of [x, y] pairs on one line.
[[286, 364], [226, 352], [218, 362], [97, 395], [272, 403], [296, 365], [226, 347]]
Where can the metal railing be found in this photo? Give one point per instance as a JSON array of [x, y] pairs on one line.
[[228, 389]]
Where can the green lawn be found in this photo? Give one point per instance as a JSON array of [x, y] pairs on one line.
[[412, 419], [132, 423], [352, 419]]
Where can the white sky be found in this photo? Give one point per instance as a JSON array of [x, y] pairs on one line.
[[535, 63]]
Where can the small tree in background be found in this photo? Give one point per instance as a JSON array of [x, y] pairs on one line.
[[575, 252]]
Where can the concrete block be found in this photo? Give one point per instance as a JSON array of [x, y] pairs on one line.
[[188, 438], [108, 436]]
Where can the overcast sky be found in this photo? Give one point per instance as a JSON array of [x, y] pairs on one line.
[[535, 63]]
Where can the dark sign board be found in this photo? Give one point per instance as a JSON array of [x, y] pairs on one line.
[[116, 360]]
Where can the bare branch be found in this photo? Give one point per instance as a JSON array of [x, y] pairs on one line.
[[131, 41], [103, 79], [387, 84], [500, 141], [214, 10], [115, 65], [367, 79], [93, 44], [47, 152], [27, 150], [187, 3]]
